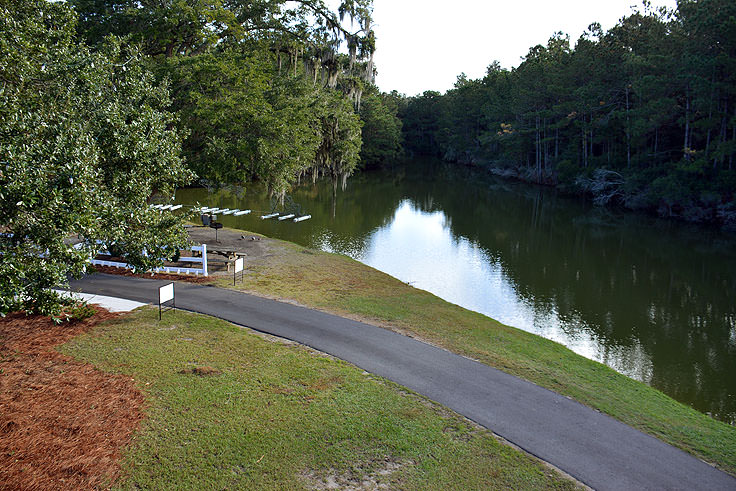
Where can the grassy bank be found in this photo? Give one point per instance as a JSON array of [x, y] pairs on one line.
[[341, 285], [228, 409]]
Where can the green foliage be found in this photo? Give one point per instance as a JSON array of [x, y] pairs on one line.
[[78, 311], [261, 87], [339, 150], [188, 28], [421, 123], [249, 123], [85, 140], [652, 99], [87, 136], [243, 124], [381, 130]]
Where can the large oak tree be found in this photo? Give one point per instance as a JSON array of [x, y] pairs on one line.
[[85, 141]]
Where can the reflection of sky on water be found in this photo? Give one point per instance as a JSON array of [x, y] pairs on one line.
[[418, 248], [653, 300]]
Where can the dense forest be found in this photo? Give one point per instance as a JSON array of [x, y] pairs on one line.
[[642, 115], [106, 105], [270, 90]]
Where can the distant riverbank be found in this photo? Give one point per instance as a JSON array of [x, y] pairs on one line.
[[608, 189]]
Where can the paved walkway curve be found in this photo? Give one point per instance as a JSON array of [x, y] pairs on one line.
[[592, 447]]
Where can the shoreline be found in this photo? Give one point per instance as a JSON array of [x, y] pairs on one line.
[[339, 285]]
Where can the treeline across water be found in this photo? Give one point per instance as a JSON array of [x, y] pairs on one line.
[[642, 115]]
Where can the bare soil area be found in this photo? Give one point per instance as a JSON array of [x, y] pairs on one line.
[[255, 247]]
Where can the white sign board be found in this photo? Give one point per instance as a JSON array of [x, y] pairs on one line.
[[166, 293], [239, 264]]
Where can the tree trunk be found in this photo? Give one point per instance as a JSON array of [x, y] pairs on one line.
[[628, 131], [733, 141], [334, 201], [707, 137], [546, 159], [538, 152], [584, 144], [723, 132], [710, 112], [686, 146], [590, 153]]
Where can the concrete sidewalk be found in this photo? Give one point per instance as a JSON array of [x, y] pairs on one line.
[[113, 304], [592, 447]]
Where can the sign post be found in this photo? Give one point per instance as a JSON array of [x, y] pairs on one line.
[[239, 262], [165, 294]]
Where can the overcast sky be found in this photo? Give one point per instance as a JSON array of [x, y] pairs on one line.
[[425, 44]]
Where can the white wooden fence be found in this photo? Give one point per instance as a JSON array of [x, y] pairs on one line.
[[168, 269]]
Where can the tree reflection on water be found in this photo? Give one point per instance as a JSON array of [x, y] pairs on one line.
[[653, 299]]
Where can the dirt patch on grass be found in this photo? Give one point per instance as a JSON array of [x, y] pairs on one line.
[[63, 423], [371, 476], [326, 383], [204, 371], [254, 245]]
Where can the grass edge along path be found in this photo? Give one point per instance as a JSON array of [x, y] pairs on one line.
[[229, 408], [340, 285]]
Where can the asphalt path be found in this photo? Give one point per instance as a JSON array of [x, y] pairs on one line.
[[592, 447]]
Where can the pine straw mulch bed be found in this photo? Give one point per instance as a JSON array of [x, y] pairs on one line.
[[63, 423], [155, 276]]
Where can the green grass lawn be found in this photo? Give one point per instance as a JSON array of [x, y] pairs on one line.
[[229, 409], [338, 284]]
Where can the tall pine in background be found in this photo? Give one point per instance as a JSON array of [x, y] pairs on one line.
[[643, 115]]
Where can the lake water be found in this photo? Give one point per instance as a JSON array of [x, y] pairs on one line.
[[653, 299]]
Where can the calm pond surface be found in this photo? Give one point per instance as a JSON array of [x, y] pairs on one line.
[[653, 299]]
